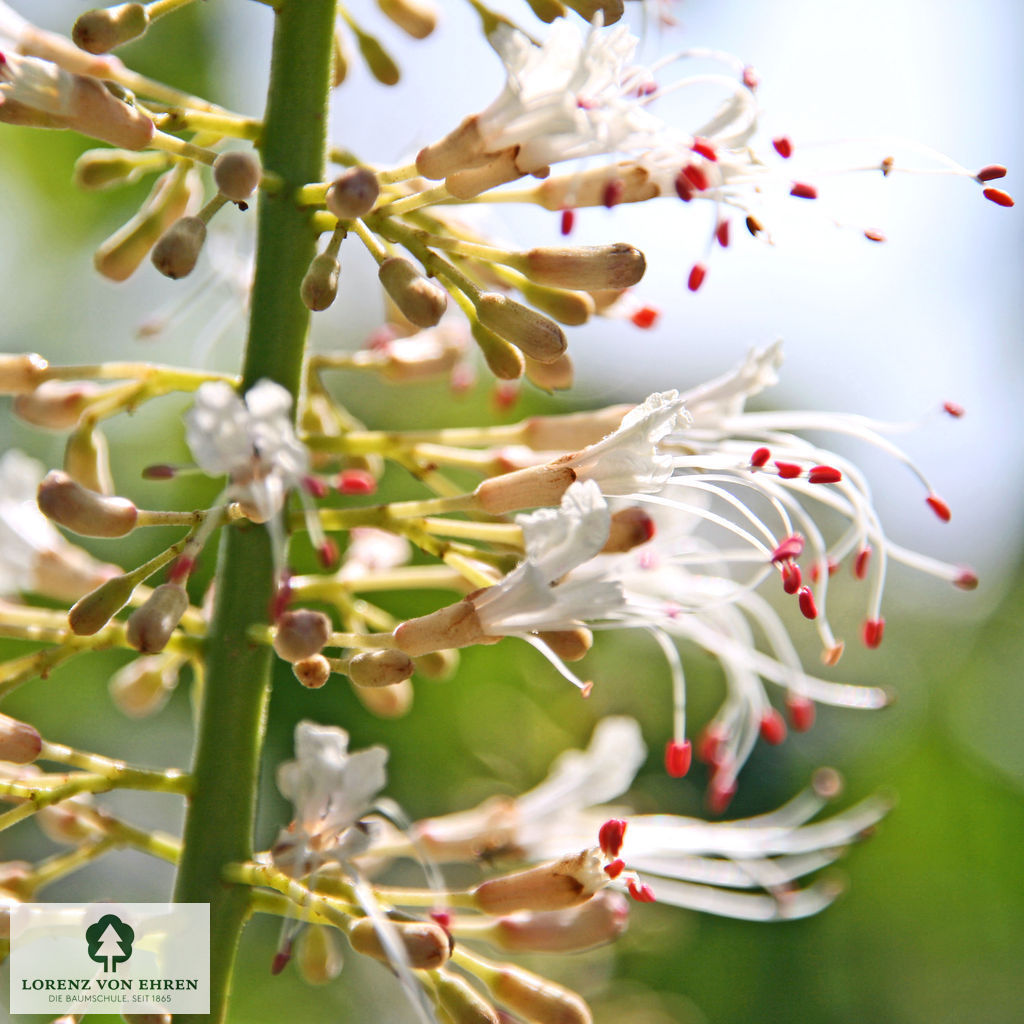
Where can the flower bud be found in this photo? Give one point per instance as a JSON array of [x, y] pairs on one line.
[[428, 353], [339, 62], [589, 267], [236, 175], [568, 644], [386, 701], [533, 487], [66, 572], [456, 625], [417, 18], [556, 376], [97, 112], [499, 169], [536, 999], [630, 527], [142, 687], [301, 634], [87, 460], [312, 672], [381, 64], [150, 627], [320, 285], [574, 431], [531, 332], [91, 613], [438, 665], [353, 193], [462, 1002], [420, 301], [63, 822], [84, 511], [318, 954], [21, 373], [590, 187], [20, 742], [99, 169], [567, 307], [380, 668], [461, 148], [554, 886], [178, 248], [426, 945], [55, 404], [600, 920], [102, 30], [503, 359]]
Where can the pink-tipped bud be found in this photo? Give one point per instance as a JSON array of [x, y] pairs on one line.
[[420, 301], [939, 507], [353, 193], [178, 248], [20, 743], [600, 920], [237, 175], [998, 196], [805, 600], [554, 886], [318, 954], [630, 527], [102, 30], [789, 548], [55, 404], [800, 710], [568, 644], [150, 627], [872, 632], [791, 577], [356, 481], [610, 836], [300, 634], [861, 562], [537, 999], [783, 146], [533, 333], [426, 945], [380, 668], [803, 191], [824, 475], [696, 277], [991, 172], [83, 511], [966, 579], [312, 672], [319, 287], [678, 757], [760, 457], [21, 373], [141, 688], [773, 727]]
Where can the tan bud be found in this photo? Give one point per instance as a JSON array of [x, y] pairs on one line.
[[300, 634], [339, 62], [555, 886], [318, 954], [63, 822], [381, 64], [427, 945], [602, 919], [533, 487], [536, 999], [417, 18], [91, 613], [319, 287], [21, 373], [87, 460], [16, 879], [386, 701], [428, 353], [178, 248], [574, 431], [438, 665], [531, 332], [589, 267], [150, 627], [84, 511], [353, 193], [101, 30], [421, 302], [503, 359], [236, 175], [567, 307], [556, 376], [20, 742], [611, 10], [462, 1002], [568, 644], [143, 686], [55, 404], [13, 112], [380, 668], [98, 169], [461, 148], [456, 625], [590, 188], [312, 672], [499, 169], [97, 112], [630, 527]]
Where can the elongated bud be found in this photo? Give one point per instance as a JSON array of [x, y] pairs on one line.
[[531, 332], [318, 954], [99, 169], [567, 307], [536, 999], [630, 527], [420, 301], [462, 1002], [597, 922], [503, 359], [417, 18], [102, 30], [20, 742], [320, 285], [463, 147], [141, 688], [380, 668], [97, 112], [150, 627], [555, 886], [568, 644], [438, 665], [84, 511], [339, 62], [63, 822], [556, 376], [178, 248], [301, 634], [386, 701], [91, 613], [427, 945], [533, 487], [237, 175], [20, 374], [381, 64], [497, 170], [55, 404], [87, 460], [312, 672], [592, 268], [353, 193], [590, 188], [454, 626]]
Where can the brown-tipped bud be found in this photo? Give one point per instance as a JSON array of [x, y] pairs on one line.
[[533, 487], [438, 665], [300, 634], [55, 404], [568, 644], [462, 1002], [461, 148], [237, 175], [630, 527], [320, 285], [417, 18], [555, 886], [21, 373], [456, 625], [590, 267], [498, 170], [91, 613], [97, 112], [556, 376], [536, 999], [312, 672], [611, 10], [503, 359], [567, 307], [83, 511], [318, 954], [20, 742], [150, 627], [597, 922], [381, 64], [178, 248], [386, 701], [531, 332], [102, 30], [87, 460], [353, 193], [380, 668], [633, 185], [574, 431], [427, 945], [421, 302], [141, 688]]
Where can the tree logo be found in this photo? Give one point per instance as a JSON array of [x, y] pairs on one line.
[[110, 942]]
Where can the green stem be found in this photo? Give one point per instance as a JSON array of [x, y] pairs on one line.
[[232, 720]]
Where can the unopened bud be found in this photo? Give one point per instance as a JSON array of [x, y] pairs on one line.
[[461, 1002], [534, 334], [380, 668], [630, 527], [556, 376], [55, 404], [319, 287], [21, 373], [20, 742], [417, 18], [462, 147], [588, 267], [497, 170], [381, 64], [568, 644], [537, 999], [318, 954], [237, 175], [555, 886], [142, 687], [426, 945], [438, 665], [84, 511], [457, 625], [386, 701], [97, 112], [312, 672], [339, 62], [589, 188], [503, 359], [420, 301], [108, 168], [87, 460], [63, 822], [102, 30], [150, 627], [567, 307], [597, 922], [534, 487], [301, 634], [178, 248], [353, 193], [91, 613]]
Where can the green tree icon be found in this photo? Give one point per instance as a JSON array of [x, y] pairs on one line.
[[110, 942]]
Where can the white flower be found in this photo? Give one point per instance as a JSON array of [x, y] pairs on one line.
[[35, 83]]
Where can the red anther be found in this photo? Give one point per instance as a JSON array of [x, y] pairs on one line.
[[709, 744], [280, 961], [722, 233], [886, 166], [645, 317], [860, 563], [443, 918], [791, 577], [613, 193], [789, 548], [998, 196], [678, 757], [697, 274], [874, 236], [683, 187], [824, 475], [803, 191], [754, 226], [696, 177], [801, 711], [872, 631], [966, 580], [751, 79], [567, 221], [831, 564], [773, 727], [615, 868], [327, 553], [505, 395], [314, 486], [939, 507], [783, 146], [805, 599], [610, 836], [991, 172], [760, 457], [953, 409], [159, 472], [721, 790], [788, 470], [641, 892], [356, 481], [704, 148], [180, 570]]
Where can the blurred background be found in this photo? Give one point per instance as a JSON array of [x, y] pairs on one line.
[[931, 928]]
